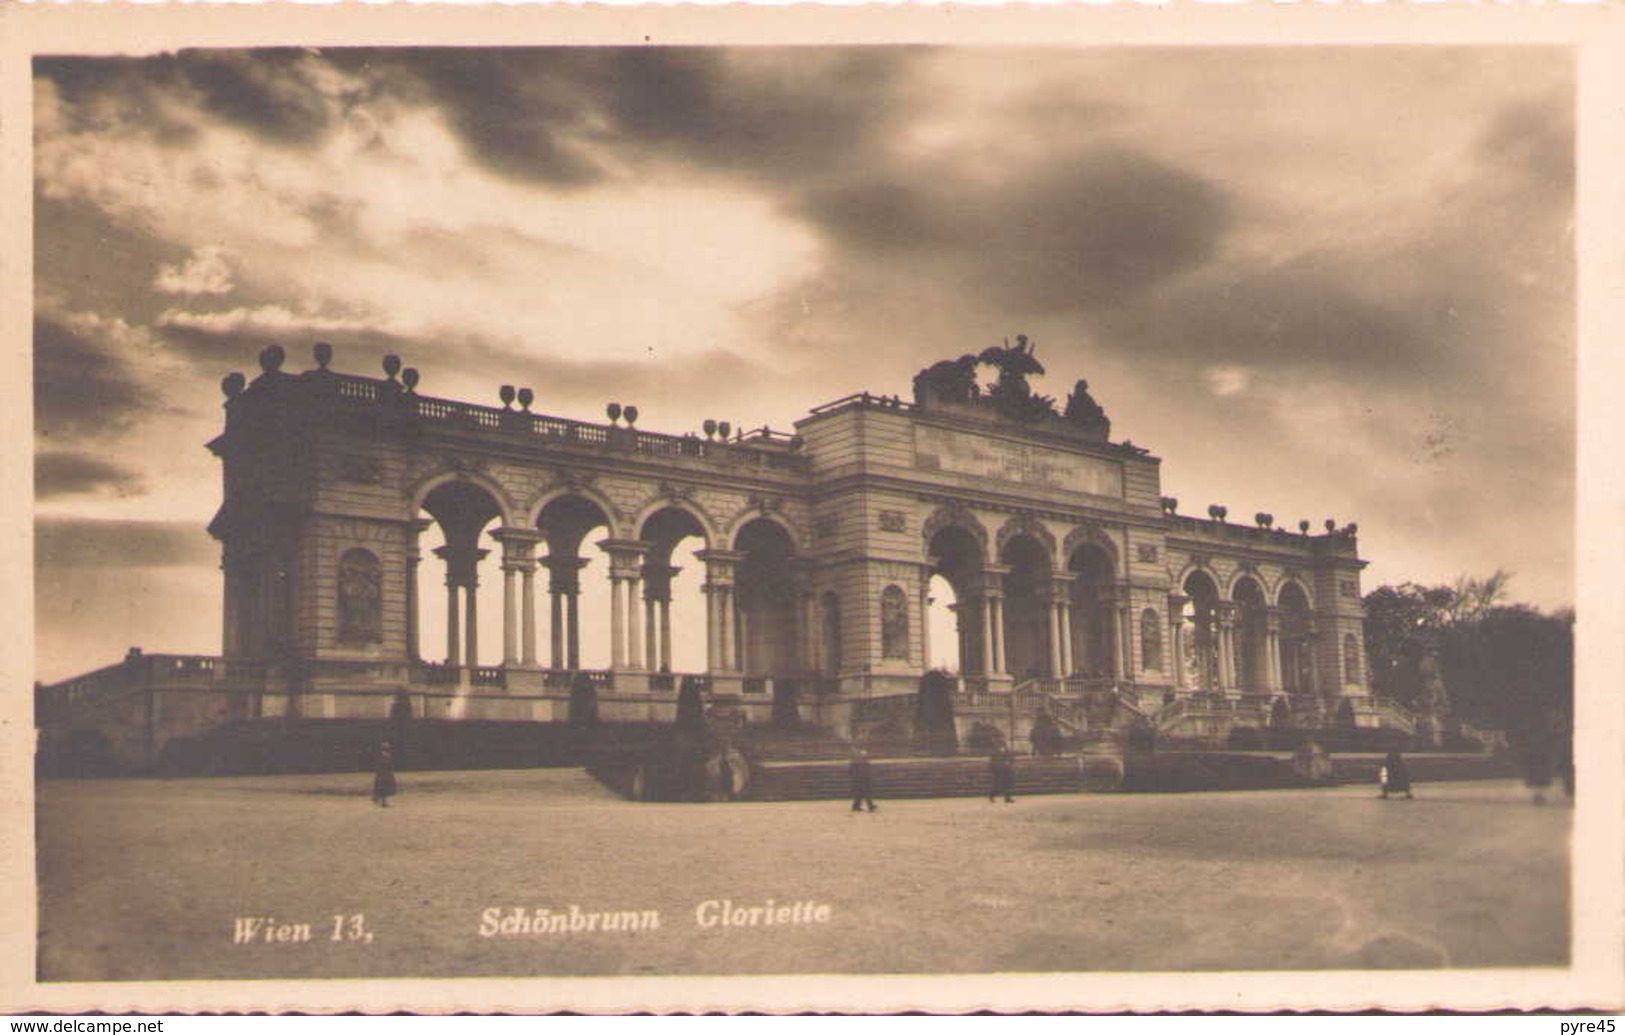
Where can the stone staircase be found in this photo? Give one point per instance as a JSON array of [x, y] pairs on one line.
[[903, 777]]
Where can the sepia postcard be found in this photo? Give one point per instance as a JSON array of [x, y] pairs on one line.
[[1107, 508]]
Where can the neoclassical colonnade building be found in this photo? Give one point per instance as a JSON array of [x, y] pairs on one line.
[[1076, 585]]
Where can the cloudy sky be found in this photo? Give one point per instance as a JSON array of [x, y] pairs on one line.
[[1319, 282]]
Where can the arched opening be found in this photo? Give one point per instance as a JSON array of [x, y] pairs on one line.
[[1252, 635], [674, 629], [1201, 612], [1297, 660], [458, 512], [765, 602], [575, 586], [942, 619], [1027, 604], [957, 568], [1094, 650]]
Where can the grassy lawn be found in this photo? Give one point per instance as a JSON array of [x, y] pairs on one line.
[[144, 879]]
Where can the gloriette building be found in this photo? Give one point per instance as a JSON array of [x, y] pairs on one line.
[[1079, 589]]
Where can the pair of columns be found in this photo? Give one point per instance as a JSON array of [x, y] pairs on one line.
[[727, 626], [1223, 631]]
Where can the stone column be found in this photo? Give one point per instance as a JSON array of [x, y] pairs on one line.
[[1057, 668], [730, 628], [1061, 633], [1114, 632], [1069, 664], [719, 585], [996, 604], [1225, 614], [555, 629], [572, 629], [617, 633], [988, 666], [471, 630], [665, 635], [1272, 650], [634, 622], [625, 568], [1127, 666], [564, 585], [454, 642], [713, 627], [510, 613], [651, 658], [925, 620], [414, 530], [528, 615]]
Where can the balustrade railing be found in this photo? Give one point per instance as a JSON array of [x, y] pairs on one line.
[[763, 447]]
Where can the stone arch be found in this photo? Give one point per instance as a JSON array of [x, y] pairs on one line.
[[612, 514], [1251, 631], [730, 535], [1297, 637], [1033, 528], [764, 597], [1287, 582], [1028, 586], [955, 515], [1205, 569], [1202, 588], [421, 489], [660, 502], [1092, 535], [956, 550]]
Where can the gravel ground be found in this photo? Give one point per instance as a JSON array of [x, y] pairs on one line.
[[146, 879]]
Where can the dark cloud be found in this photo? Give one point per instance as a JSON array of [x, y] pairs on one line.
[[1301, 315], [81, 388], [63, 542], [1067, 235], [1536, 139], [567, 116], [269, 93], [95, 263], [73, 473]]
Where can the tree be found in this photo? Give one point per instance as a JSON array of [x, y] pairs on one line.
[[1505, 666]]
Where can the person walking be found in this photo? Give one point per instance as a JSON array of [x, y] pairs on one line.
[[383, 777], [1395, 775], [1002, 764], [863, 781]]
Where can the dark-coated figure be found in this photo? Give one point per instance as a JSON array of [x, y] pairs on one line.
[[863, 781], [383, 777], [1002, 767], [1396, 775]]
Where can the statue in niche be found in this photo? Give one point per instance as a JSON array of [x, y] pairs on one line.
[[1083, 412], [360, 598], [893, 623]]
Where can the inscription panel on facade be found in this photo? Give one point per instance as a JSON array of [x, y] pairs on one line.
[[943, 449]]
